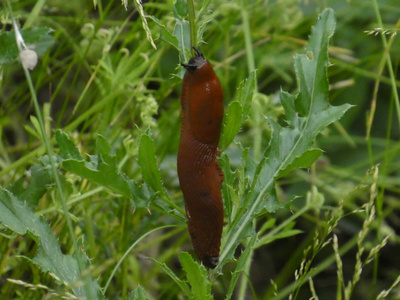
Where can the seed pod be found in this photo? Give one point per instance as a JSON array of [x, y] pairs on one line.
[[199, 174]]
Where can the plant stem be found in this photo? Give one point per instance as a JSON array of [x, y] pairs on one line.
[[314, 271], [192, 23], [388, 61], [54, 172], [128, 251], [251, 67]]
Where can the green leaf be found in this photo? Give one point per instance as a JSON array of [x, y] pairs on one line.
[[19, 218], [99, 172], [67, 147], [182, 33], [307, 115], [238, 111], [101, 169], [232, 123], [246, 91], [182, 284], [197, 277], [281, 235], [39, 179], [303, 161], [37, 37], [148, 163], [165, 34], [240, 266], [180, 9], [138, 294], [227, 184], [103, 149]]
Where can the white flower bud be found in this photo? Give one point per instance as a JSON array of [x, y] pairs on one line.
[[28, 58]]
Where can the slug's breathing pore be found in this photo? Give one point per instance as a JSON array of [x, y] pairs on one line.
[[199, 174]]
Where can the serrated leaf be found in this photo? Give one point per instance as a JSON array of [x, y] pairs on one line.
[[103, 149], [138, 294], [227, 184], [67, 147], [197, 277], [308, 114], [142, 197], [231, 125], [243, 230], [101, 174], [182, 284], [238, 111], [246, 94], [303, 161], [101, 169], [38, 38], [19, 218], [148, 163]]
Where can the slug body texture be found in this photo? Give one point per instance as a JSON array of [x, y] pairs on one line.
[[199, 174]]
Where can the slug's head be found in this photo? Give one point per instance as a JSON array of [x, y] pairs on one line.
[[210, 261], [196, 62]]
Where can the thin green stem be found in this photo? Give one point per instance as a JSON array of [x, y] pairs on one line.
[[49, 150], [315, 271], [257, 130], [379, 199], [389, 62], [128, 251], [244, 277], [192, 23]]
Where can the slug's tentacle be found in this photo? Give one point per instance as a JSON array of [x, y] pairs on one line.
[[199, 174], [198, 52]]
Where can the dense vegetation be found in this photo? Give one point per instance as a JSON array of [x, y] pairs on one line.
[[90, 204]]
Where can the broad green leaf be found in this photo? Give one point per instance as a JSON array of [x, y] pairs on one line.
[[231, 125], [165, 34], [103, 149], [303, 161], [101, 169], [148, 163], [19, 218], [182, 33], [240, 266], [100, 173], [238, 111], [182, 284], [180, 9], [307, 114], [138, 294], [197, 276], [67, 147], [39, 37], [39, 179]]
